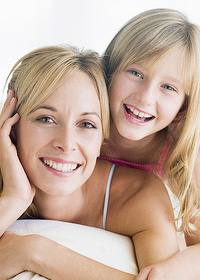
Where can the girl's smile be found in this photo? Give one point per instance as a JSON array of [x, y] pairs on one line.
[[135, 115], [146, 97]]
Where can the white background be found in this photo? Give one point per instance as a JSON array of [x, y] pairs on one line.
[[28, 24]]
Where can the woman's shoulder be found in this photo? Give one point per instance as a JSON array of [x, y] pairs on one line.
[[129, 177]]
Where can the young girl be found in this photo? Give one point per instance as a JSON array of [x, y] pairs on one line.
[[48, 155], [153, 67]]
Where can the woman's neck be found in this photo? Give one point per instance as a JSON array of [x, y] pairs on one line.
[[62, 208], [84, 206], [144, 151]]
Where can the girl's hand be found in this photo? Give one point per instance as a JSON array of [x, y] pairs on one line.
[[182, 266], [15, 181]]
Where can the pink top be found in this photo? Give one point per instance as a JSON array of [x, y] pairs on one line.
[[155, 168]]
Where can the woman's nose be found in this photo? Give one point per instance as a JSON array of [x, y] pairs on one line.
[[65, 140]]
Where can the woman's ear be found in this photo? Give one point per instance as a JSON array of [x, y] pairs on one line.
[[13, 136]]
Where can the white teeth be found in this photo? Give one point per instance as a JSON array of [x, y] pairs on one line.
[[60, 166], [135, 112], [141, 115], [138, 113]]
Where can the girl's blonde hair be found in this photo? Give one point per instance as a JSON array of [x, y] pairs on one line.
[[152, 34], [36, 75]]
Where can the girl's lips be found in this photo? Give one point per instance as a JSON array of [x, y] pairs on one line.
[[140, 116], [60, 165]]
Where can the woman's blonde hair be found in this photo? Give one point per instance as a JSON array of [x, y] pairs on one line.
[[152, 34], [36, 75]]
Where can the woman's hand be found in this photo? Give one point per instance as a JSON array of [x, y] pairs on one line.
[[12, 255], [17, 193], [17, 253], [15, 181]]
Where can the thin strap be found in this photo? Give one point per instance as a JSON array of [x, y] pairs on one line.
[[105, 210]]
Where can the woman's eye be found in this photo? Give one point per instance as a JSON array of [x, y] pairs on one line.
[[169, 88], [45, 119], [88, 125], [136, 73]]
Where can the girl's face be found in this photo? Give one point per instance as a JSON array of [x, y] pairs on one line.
[[59, 141], [146, 97]]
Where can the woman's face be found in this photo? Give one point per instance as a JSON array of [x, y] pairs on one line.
[[146, 97], [59, 141]]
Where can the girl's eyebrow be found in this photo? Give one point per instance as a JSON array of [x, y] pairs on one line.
[[54, 110]]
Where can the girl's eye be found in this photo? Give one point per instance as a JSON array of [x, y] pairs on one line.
[[136, 73], [169, 88], [87, 125], [45, 119]]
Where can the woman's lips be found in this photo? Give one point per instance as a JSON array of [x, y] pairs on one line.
[[61, 166]]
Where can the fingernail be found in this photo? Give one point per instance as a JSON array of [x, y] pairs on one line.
[[12, 100]]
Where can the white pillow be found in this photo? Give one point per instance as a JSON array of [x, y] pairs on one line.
[[111, 249]]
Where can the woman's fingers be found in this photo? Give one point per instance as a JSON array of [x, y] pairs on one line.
[[8, 99], [8, 109], [8, 124]]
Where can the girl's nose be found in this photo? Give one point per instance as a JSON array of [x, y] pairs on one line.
[[146, 95]]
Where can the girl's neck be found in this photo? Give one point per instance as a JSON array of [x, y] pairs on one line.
[[144, 151]]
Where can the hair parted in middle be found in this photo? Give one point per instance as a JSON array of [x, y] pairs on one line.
[[36, 75]]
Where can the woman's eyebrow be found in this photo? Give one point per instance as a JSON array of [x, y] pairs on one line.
[[44, 107], [90, 113], [53, 109]]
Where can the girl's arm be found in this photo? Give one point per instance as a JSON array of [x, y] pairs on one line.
[[195, 238], [155, 239], [184, 265], [15, 197]]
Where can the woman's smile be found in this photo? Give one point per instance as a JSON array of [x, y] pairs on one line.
[[59, 166], [66, 123]]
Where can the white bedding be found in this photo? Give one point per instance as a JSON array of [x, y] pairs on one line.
[[111, 249]]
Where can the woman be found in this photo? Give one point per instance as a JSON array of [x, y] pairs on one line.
[[60, 121]]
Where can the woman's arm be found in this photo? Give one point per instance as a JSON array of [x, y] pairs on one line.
[[54, 261], [50, 259]]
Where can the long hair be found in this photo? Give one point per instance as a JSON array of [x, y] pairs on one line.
[[36, 75], [152, 34]]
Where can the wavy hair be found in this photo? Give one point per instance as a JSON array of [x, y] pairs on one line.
[[36, 75]]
